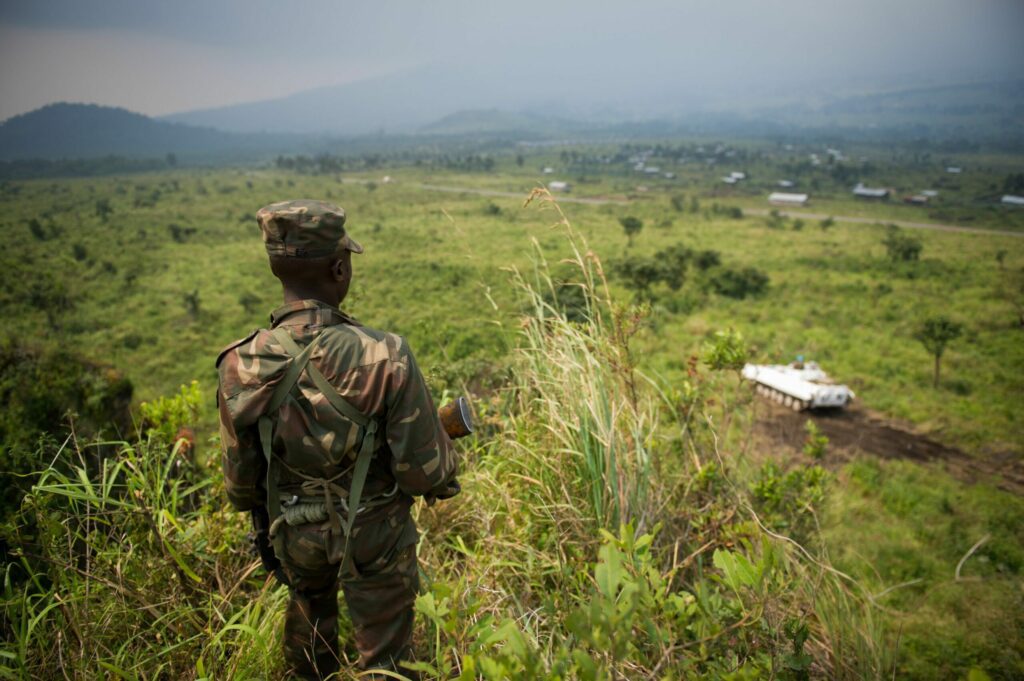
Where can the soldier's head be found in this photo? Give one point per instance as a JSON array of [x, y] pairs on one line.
[[310, 251]]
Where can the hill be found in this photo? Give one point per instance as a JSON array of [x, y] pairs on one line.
[[394, 103], [472, 100], [66, 130]]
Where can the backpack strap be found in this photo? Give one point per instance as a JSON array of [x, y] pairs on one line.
[[266, 425], [367, 446]]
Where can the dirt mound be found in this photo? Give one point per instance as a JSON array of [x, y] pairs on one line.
[[858, 430]]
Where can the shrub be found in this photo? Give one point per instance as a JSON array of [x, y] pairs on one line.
[[901, 247], [43, 390], [738, 283], [816, 443]]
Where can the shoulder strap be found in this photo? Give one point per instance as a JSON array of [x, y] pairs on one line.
[[322, 384], [300, 359], [366, 447]]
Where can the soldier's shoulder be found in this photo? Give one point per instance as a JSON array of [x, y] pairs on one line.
[[234, 344], [364, 344]]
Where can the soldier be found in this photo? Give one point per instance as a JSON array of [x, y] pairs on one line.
[[328, 431]]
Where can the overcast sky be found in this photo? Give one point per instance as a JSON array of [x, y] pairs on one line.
[[169, 56]]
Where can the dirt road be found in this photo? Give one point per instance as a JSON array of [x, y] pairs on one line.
[[600, 201], [858, 430]]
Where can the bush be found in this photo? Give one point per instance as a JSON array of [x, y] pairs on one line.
[[901, 247], [738, 283], [787, 500], [43, 391]]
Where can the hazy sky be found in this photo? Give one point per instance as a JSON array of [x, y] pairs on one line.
[[168, 56]]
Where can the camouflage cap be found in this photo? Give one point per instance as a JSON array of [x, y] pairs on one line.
[[305, 229]]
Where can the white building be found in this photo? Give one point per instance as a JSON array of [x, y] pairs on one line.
[[729, 179], [786, 184], [955, 170], [786, 199], [559, 186], [930, 193], [548, 170], [1011, 200], [738, 175]]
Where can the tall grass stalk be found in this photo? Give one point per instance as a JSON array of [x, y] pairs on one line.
[[578, 379]]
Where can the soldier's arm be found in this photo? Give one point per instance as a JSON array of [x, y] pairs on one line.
[[423, 459], [242, 462]]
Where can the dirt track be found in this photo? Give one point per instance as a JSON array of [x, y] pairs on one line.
[[856, 430], [602, 200]]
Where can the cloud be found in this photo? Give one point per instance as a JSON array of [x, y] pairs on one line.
[[152, 74], [159, 57]]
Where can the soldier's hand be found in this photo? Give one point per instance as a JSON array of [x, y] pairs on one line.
[[453, 487]]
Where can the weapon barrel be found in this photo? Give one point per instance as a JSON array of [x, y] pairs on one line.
[[456, 418]]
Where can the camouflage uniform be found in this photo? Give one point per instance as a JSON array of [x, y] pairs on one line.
[[375, 372]]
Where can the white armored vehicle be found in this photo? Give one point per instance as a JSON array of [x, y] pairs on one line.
[[799, 385]]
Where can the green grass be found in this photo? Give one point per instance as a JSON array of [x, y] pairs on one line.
[[833, 296], [563, 558], [437, 270], [898, 523]]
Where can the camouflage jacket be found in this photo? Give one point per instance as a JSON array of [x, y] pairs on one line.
[[373, 370]]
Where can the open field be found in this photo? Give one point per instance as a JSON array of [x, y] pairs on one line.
[[154, 272], [833, 294]]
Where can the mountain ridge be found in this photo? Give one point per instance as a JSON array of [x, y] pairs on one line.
[[65, 130]]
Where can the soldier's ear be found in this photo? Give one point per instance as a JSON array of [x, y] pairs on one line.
[[341, 268]]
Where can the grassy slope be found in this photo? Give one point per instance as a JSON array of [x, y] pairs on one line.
[[833, 296], [445, 253]]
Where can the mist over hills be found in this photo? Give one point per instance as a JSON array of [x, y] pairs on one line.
[[402, 110], [469, 101]]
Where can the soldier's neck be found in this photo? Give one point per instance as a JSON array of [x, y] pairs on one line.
[[326, 294]]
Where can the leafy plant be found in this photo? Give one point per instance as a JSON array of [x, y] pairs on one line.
[[816, 443]]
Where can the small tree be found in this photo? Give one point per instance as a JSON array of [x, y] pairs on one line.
[[827, 223], [632, 226], [935, 334]]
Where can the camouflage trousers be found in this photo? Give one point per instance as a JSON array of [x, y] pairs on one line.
[[380, 594]]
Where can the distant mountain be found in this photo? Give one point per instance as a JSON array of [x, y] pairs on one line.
[[472, 100], [978, 111], [66, 130], [395, 103], [494, 121]]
